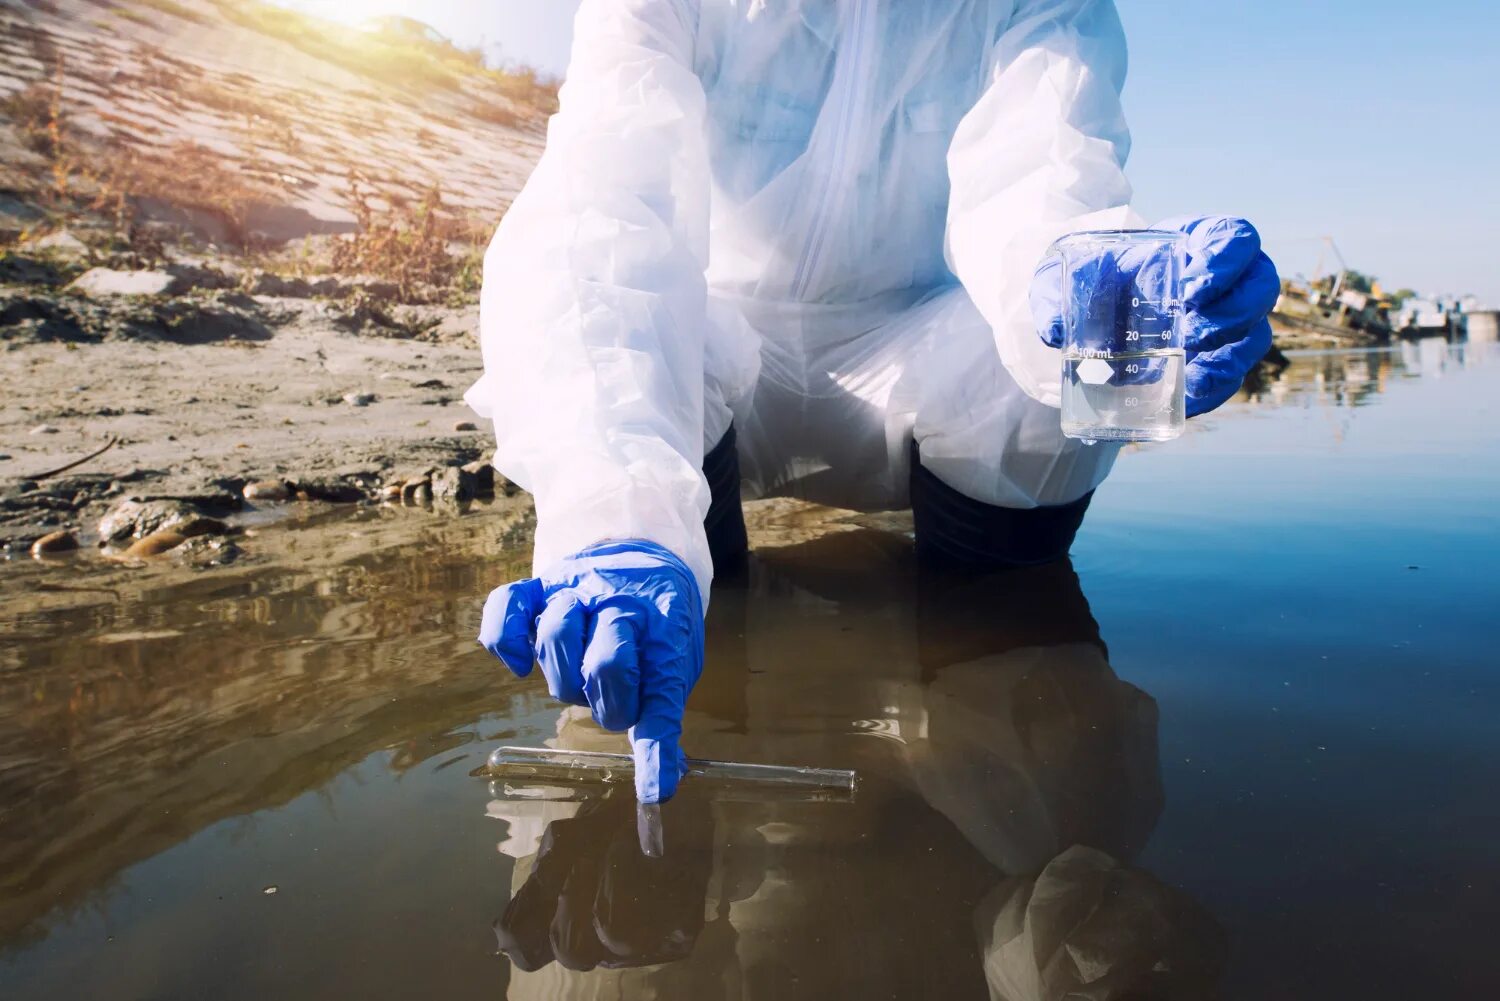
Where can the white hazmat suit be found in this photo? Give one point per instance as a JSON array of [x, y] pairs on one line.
[[817, 219]]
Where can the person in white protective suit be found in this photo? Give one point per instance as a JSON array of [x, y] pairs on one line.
[[793, 245]]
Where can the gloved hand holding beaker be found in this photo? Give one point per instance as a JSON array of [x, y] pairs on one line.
[[1227, 288], [617, 627]]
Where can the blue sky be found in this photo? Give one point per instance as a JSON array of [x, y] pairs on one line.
[[1371, 121]]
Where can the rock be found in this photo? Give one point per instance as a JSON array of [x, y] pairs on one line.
[[136, 518], [454, 485], [108, 282], [200, 274], [282, 287], [368, 287], [466, 426], [218, 316], [19, 269], [267, 491], [63, 243], [156, 543], [416, 492], [225, 553], [329, 489], [484, 476], [54, 542], [210, 552], [359, 399], [390, 493], [457, 324], [43, 429], [266, 283]]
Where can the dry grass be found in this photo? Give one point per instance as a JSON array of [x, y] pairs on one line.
[[408, 246], [496, 113], [408, 237], [37, 114], [211, 95], [525, 85]]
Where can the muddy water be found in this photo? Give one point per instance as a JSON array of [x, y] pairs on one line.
[[1243, 746]]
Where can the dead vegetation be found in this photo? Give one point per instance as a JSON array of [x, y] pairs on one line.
[[418, 247], [36, 112], [142, 149]]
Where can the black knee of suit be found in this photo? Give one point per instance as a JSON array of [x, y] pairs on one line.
[[958, 531], [725, 523]]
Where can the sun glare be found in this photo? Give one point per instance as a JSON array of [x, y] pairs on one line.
[[353, 12]]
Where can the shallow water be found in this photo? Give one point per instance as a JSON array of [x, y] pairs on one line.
[[1245, 746]]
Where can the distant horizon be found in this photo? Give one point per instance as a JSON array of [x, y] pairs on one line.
[[1295, 119]]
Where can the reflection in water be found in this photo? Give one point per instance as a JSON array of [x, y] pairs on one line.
[[137, 709], [590, 897], [1008, 780], [1354, 378]]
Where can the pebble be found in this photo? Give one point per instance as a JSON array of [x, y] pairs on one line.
[[273, 491], [54, 542], [359, 399], [466, 426], [416, 492], [44, 429], [156, 543]]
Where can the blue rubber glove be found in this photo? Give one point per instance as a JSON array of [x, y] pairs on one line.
[[1229, 287], [617, 627]]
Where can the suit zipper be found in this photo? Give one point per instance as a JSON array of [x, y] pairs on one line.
[[852, 87]]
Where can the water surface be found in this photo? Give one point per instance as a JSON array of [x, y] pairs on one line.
[[1243, 746]]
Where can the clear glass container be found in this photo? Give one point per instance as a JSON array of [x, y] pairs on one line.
[[1124, 367]]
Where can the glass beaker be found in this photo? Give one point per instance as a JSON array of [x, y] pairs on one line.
[[1123, 359]]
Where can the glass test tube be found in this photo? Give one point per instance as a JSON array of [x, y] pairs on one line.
[[545, 764]]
